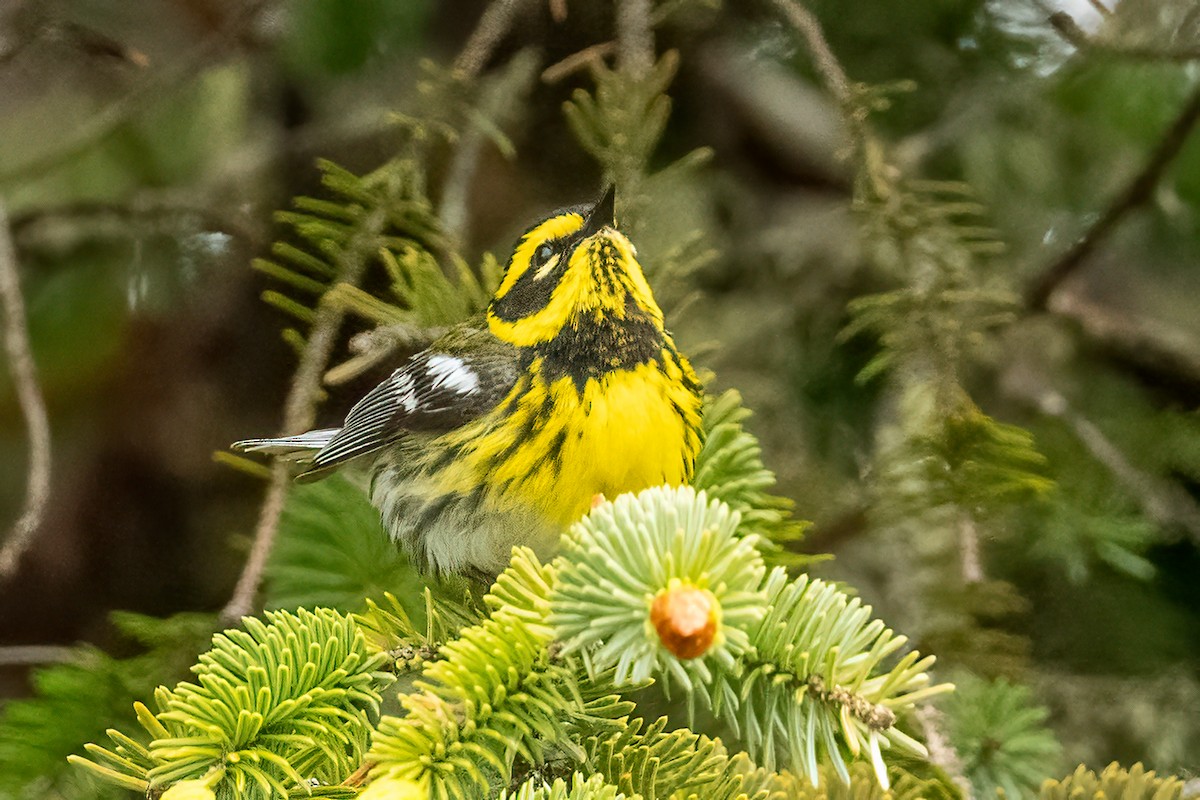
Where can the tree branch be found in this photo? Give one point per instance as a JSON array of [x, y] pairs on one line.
[[968, 548], [154, 210], [494, 23], [29, 396], [492, 27], [941, 752], [823, 58], [1171, 356], [1136, 193], [577, 61], [300, 411], [26, 655], [1165, 503], [635, 36], [1066, 27]]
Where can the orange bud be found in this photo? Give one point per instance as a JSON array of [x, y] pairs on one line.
[[598, 500], [686, 619]]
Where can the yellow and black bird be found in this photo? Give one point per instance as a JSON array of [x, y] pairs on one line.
[[505, 429]]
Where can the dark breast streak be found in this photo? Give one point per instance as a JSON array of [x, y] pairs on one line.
[[585, 348]]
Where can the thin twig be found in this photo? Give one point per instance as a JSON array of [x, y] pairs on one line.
[[494, 103], [86, 40], [968, 548], [29, 396], [577, 61], [825, 61], [157, 210], [27, 655], [1135, 194], [300, 412], [635, 36], [241, 602], [1066, 27], [452, 213], [359, 776], [492, 27], [941, 752], [1152, 348], [1164, 503], [373, 346]]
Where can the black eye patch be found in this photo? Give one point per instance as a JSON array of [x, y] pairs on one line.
[[530, 294]]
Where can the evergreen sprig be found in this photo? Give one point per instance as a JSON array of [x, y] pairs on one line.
[[624, 555], [961, 458], [385, 210], [280, 704], [932, 236], [798, 664], [390, 627], [816, 685], [1001, 737], [656, 764], [1077, 534], [495, 694], [1114, 783], [903, 785], [621, 123], [579, 788]]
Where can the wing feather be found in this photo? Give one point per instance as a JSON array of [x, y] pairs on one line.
[[460, 377]]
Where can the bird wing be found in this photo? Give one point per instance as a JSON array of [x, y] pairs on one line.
[[462, 376]]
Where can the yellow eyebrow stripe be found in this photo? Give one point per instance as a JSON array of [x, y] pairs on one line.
[[559, 227]]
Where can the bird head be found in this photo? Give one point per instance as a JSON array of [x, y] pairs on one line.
[[570, 269]]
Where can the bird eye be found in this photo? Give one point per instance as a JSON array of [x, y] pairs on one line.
[[543, 254]]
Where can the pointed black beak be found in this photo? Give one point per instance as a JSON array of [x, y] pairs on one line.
[[603, 214]]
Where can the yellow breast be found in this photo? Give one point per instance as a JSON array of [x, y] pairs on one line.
[[554, 447]]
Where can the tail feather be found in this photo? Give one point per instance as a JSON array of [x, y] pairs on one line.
[[294, 448]]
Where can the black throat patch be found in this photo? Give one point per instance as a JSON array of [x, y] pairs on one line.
[[585, 348]]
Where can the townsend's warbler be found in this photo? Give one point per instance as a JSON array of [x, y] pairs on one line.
[[506, 428]]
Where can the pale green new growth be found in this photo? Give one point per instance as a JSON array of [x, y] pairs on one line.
[[817, 688], [279, 704], [492, 696], [657, 764], [580, 788], [798, 666], [1114, 783], [862, 786], [618, 558]]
